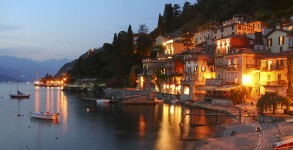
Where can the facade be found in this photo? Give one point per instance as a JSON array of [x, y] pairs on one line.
[[197, 68], [173, 69], [279, 41], [274, 73]]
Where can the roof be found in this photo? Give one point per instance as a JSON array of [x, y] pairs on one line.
[[277, 30], [226, 88], [281, 54], [235, 36], [207, 87], [252, 51], [201, 56]]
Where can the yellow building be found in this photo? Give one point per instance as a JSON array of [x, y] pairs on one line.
[[274, 73]]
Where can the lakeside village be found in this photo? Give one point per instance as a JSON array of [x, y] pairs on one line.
[[237, 67], [235, 62]]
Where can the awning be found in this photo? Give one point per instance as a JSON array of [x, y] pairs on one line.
[[207, 87], [226, 88]]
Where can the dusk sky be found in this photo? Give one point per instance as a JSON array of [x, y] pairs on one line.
[[43, 30]]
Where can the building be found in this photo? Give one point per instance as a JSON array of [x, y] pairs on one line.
[[274, 73], [197, 68], [279, 41]]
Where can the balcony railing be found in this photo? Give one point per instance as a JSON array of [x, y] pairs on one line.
[[231, 67], [216, 96], [214, 81], [273, 83], [252, 66], [169, 66], [273, 67]]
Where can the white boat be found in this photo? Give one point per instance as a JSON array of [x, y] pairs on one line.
[[44, 115], [159, 101], [176, 101], [102, 101]]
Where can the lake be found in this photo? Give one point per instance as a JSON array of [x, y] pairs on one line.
[[87, 125]]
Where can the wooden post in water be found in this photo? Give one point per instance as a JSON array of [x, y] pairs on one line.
[[216, 117], [240, 116]]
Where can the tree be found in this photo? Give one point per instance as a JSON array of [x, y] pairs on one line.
[[271, 100], [132, 75], [143, 29], [144, 46], [160, 27], [176, 10], [238, 94], [168, 16]]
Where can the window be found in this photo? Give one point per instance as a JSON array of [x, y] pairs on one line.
[[269, 42], [281, 49], [232, 27], [203, 69], [281, 40], [218, 76], [239, 27], [222, 30], [218, 51], [215, 31], [221, 35]]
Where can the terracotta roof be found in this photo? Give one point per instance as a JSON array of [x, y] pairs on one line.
[[281, 54], [202, 56]]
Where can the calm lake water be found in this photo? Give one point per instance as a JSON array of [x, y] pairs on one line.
[[104, 126]]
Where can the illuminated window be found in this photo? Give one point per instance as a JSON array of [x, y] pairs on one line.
[[186, 90], [203, 69], [269, 42], [281, 40]]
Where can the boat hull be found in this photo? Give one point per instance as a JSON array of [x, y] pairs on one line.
[[19, 96], [102, 101], [42, 115]]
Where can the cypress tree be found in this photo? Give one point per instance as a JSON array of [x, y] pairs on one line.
[[160, 28], [168, 17]]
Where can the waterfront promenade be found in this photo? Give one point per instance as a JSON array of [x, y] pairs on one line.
[[245, 135]]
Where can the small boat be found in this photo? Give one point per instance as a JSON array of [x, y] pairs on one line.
[[44, 115], [159, 101], [103, 101], [18, 94], [176, 101]]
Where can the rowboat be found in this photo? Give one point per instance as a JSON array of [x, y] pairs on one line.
[[102, 101], [45, 115], [159, 101]]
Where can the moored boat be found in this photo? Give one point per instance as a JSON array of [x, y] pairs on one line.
[[159, 101], [45, 115], [103, 101], [19, 95]]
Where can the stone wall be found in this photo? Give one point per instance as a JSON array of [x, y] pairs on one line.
[[120, 93], [222, 102]]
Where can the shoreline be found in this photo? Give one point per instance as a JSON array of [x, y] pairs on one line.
[[244, 135]]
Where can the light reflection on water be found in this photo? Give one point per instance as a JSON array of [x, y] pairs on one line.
[[112, 126]]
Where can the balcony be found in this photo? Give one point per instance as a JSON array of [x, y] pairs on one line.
[[231, 67], [273, 67], [168, 65], [215, 82], [252, 66], [273, 83]]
